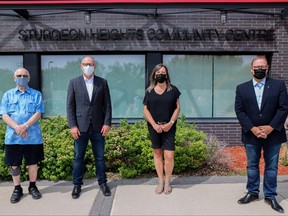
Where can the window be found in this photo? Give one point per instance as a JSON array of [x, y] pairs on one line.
[[8, 65], [125, 75], [208, 82]]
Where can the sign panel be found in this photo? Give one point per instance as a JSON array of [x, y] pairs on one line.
[[179, 34]]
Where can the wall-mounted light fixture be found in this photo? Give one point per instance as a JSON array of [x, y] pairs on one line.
[[87, 17], [223, 17]]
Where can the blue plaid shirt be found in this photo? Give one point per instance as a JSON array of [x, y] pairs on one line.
[[20, 107]]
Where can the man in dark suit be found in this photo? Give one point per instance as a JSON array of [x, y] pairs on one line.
[[89, 117], [261, 106]]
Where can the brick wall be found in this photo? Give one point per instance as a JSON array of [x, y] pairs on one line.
[[10, 42], [228, 132]]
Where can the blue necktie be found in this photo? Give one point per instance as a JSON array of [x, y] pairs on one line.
[[259, 94], [259, 85]]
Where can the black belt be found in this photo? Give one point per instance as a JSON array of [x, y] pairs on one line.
[[161, 123]]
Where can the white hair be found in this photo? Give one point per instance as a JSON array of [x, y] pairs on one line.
[[20, 69]]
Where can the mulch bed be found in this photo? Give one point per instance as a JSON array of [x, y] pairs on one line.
[[238, 160]]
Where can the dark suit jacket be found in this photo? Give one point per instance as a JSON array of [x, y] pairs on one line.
[[80, 109], [273, 111]]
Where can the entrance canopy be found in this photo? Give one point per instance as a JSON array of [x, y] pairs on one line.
[[117, 3], [60, 2]]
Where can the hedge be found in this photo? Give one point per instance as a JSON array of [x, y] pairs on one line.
[[127, 150]]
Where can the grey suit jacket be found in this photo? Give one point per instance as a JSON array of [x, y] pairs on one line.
[[80, 111]]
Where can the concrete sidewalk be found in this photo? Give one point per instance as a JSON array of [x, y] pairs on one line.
[[207, 195]]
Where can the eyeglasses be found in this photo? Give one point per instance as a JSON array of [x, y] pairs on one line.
[[22, 76], [87, 64]]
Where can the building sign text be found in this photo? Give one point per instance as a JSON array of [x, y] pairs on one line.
[[186, 34]]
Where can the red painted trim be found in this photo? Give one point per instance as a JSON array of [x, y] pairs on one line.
[[49, 2]]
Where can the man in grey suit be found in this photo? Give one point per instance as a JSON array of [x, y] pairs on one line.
[[89, 116]]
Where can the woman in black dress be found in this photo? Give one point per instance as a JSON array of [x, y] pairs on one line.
[[161, 110]]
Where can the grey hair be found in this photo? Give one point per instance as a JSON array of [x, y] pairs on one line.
[[19, 69], [89, 57], [259, 57]]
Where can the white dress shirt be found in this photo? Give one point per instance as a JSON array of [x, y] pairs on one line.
[[89, 86]]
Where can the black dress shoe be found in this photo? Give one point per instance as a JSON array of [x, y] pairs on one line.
[[274, 204], [105, 189], [76, 192], [35, 193], [16, 195], [248, 198]]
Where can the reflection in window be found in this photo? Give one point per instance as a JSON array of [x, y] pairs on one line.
[[208, 82], [8, 65], [125, 75], [229, 71]]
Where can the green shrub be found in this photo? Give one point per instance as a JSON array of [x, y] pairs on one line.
[[190, 152], [284, 154], [127, 150]]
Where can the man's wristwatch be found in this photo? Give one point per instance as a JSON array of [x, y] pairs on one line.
[[26, 125], [172, 121]]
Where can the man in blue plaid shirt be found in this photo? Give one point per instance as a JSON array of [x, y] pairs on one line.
[[21, 108]]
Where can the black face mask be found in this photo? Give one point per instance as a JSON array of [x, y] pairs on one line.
[[161, 78], [259, 73]]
